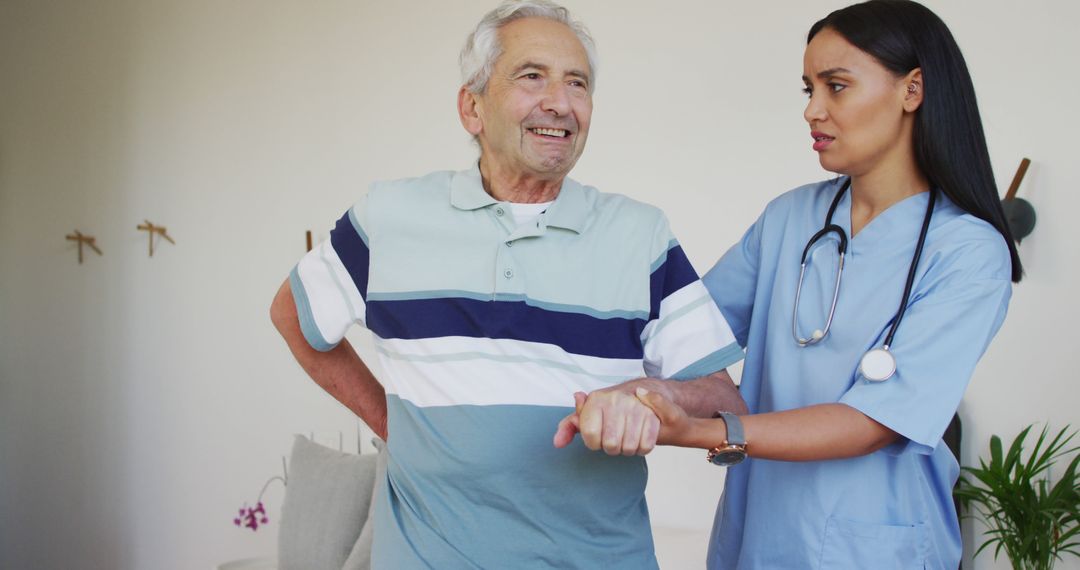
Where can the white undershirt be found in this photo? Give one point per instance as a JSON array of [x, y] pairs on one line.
[[524, 213]]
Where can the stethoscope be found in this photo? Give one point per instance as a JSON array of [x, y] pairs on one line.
[[878, 364]]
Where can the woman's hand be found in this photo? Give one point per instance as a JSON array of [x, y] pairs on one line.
[[676, 426]]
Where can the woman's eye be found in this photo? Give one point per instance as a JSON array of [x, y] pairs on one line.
[[531, 76], [807, 91], [836, 87]]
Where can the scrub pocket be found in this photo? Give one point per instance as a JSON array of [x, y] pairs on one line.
[[852, 544]]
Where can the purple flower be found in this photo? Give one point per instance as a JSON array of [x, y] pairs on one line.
[[252, 517]]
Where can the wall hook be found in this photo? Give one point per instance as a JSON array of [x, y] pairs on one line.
[[1019, 213], [83, 239], [151, 229]]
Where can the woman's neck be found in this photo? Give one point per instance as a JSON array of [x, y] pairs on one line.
[[874, 192]]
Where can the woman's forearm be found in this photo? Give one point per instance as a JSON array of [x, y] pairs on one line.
[[813, 433]]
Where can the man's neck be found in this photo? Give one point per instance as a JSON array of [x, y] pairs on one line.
[[507, 186]]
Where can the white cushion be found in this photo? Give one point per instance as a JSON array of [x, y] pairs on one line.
[[327, 500]]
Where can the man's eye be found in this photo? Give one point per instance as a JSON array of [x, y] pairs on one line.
[[531, 76], [578, 83]]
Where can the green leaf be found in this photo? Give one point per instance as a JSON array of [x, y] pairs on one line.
[[995, 455], [1030, 518]]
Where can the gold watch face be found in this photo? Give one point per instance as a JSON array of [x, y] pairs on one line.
[[729, 455]]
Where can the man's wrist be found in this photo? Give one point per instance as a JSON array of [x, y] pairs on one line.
[[662, 387]]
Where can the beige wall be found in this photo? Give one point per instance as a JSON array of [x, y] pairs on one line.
[[142, 400]]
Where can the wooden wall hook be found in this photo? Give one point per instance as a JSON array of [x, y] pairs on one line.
[[83, 239], [151, 229], [1018, 178], [1019, 213]]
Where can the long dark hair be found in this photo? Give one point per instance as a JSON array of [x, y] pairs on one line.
[[950, 147]]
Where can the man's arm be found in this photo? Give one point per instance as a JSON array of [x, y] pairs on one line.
[[339, 371], [615, 420]]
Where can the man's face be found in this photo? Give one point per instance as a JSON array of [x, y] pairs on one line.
[[534, 114]]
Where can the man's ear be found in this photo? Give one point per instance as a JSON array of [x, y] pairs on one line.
[[913, 90], [469, 112]]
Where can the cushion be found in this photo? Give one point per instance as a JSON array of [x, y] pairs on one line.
[[360, 557], [327, 500]]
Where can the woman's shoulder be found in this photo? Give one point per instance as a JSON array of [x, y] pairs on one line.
[[808, 194], [802, 199], [968, 243]]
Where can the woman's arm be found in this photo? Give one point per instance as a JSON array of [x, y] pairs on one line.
[[813, 433]]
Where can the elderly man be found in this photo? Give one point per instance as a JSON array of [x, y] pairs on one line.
[[508, 303]]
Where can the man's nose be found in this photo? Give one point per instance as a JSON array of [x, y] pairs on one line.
[[556, 99]]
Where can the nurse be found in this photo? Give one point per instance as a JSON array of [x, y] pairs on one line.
[[844, 464]]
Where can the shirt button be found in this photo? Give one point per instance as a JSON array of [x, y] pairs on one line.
[[509, 273], [509, 244], [499, 211]]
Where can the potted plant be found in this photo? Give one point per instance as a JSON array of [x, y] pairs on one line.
[[1032, 519]]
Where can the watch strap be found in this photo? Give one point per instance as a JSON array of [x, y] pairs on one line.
[[734, 425]]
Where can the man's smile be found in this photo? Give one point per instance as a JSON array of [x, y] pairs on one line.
[[556, 133]]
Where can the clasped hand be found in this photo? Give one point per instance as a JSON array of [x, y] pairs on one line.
[[614, 419]]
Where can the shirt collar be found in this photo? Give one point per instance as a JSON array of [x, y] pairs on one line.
[[570, 211], [467, 190]]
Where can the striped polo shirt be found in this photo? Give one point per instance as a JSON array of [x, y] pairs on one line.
[[484, 330]]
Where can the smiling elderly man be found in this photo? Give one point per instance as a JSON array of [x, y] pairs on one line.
[[509, 302]]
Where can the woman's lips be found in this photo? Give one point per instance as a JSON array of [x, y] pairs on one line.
[[821, 140]]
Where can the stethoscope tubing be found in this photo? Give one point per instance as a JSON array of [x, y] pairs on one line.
[[842, 245], [911, 272], [832, 308]]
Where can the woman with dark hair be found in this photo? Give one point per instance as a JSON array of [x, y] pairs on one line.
[[864, 304]]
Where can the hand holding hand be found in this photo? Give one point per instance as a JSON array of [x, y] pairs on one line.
[[612, 419], [675, 424]]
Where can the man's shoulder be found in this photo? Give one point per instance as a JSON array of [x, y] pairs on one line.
[[432, 182], [621, 207]]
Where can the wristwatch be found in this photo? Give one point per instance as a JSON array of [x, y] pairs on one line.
[[733, 450]]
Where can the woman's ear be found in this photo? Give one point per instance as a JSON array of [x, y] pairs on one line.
[[913, 90], [468, 112]]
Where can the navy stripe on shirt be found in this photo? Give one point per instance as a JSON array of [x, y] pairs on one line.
[[576, 333], [673, 274], [352, 251]]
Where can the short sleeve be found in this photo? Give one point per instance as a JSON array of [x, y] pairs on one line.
[[941, 338], [686, 336], [329, 284], [732, 282]]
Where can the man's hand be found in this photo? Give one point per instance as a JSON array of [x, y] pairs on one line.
[[568, 426], [614, 419]]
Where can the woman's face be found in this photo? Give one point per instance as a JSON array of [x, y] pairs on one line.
[[858, 110]]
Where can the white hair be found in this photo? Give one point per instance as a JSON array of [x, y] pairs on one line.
[[482, 47]]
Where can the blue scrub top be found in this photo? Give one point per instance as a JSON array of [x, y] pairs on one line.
[[892, 508]]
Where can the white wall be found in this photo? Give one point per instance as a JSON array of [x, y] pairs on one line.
[[143, 399]]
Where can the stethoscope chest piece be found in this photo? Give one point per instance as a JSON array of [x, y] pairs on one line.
[[877, 365]]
